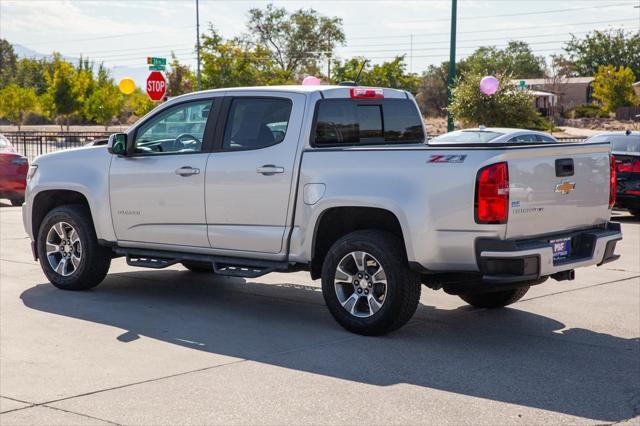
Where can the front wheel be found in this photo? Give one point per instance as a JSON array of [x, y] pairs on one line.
[[367, 284], [69, 253]]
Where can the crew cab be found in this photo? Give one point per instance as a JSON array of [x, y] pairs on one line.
[[336, 180]]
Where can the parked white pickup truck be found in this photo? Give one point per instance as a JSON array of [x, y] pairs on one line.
[[335, 180]]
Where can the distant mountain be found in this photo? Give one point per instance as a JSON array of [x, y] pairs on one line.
[[25, 52], [138, 74]]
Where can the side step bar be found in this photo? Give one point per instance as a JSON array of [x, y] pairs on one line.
[[231, 266]]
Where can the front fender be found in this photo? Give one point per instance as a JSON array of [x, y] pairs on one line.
[[83, 170]]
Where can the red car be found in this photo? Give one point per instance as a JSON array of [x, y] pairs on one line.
[[13, 173]]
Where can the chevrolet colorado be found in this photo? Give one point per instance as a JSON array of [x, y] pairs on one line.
[[336, 180]]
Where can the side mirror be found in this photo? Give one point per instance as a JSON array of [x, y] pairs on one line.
[[117, 144]]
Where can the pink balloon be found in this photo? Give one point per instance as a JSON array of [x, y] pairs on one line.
[[311, 81], [489, 85]]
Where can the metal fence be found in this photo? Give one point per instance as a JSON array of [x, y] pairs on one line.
[[34, 143]]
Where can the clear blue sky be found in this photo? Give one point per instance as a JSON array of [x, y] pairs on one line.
[[123, 33]]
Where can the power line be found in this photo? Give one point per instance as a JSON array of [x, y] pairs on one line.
[[474, 46], [542, 12], [98, 38], [493, 30]]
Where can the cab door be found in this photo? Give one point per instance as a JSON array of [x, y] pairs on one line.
[[250, 175], [157, 193]]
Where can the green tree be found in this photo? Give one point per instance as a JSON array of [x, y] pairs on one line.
[[32, 72], [508, 107], [179, 78], [432, 94], [8, 61], [387, 74], [16, 102], [137, 104], [60, 95], [615, 47], [614, 87], [296, 41], [83, 84], [235, 63], [516, 59], [104, 104]]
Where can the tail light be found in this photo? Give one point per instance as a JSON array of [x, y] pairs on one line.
[[632, 166], [20, 161], [366, 93], [492, 194], [612, 181]]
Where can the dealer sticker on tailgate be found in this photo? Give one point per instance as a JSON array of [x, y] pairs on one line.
[[561, 248]]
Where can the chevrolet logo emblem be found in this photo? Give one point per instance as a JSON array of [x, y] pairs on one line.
[[565, 187]]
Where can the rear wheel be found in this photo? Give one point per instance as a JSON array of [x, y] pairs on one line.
[[496, 299], [200, 267], [69, 253], [367, 284]]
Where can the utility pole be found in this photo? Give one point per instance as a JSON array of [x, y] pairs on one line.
[[329, 60], [452, 62], [411, 56], [198, 44]]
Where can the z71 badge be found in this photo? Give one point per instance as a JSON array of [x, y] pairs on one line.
[[446, 159]]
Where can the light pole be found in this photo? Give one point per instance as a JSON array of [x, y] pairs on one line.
[[452, 62], [198, 44]]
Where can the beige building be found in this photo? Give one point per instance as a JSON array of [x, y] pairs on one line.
[[569, 92]]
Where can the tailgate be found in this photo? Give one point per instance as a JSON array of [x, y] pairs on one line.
[[557, 188]]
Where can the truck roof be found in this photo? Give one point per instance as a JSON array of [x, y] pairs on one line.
[[335, 90]]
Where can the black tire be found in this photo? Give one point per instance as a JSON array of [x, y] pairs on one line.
[[95, 260], [635, 213], [199, 267], [403, 285], [17, 202], [493, 300]]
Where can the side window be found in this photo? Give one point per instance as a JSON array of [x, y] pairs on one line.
[[179, 129], [255, 123], [547, 139], [527, 137]]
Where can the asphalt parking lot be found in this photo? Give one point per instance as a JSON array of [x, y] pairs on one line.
[[174, 347]]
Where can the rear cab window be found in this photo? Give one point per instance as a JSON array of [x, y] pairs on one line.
[[349, 122]]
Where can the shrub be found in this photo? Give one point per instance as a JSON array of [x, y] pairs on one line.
[[586, 111], [508, 107]]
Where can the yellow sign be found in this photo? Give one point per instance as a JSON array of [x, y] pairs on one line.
[[127, 85]]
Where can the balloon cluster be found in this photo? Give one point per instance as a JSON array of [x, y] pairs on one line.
[[489, 85]]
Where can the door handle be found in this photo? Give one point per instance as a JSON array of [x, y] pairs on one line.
[[187, 171], [269, 169]]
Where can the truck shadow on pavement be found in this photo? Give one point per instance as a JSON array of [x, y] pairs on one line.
[[505, 355]]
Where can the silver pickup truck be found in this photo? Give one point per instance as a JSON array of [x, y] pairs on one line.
[[336, 180]]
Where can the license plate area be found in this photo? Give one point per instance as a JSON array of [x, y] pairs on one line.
[[561, 248]]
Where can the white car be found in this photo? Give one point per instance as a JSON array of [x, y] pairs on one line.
[[493, 135]]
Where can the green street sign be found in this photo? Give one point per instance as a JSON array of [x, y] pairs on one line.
[[156, 67], [523, 84], [156, 61]]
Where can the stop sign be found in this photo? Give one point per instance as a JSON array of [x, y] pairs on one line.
[[156, 86]]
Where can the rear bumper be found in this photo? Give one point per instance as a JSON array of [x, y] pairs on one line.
[[512, 261]]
